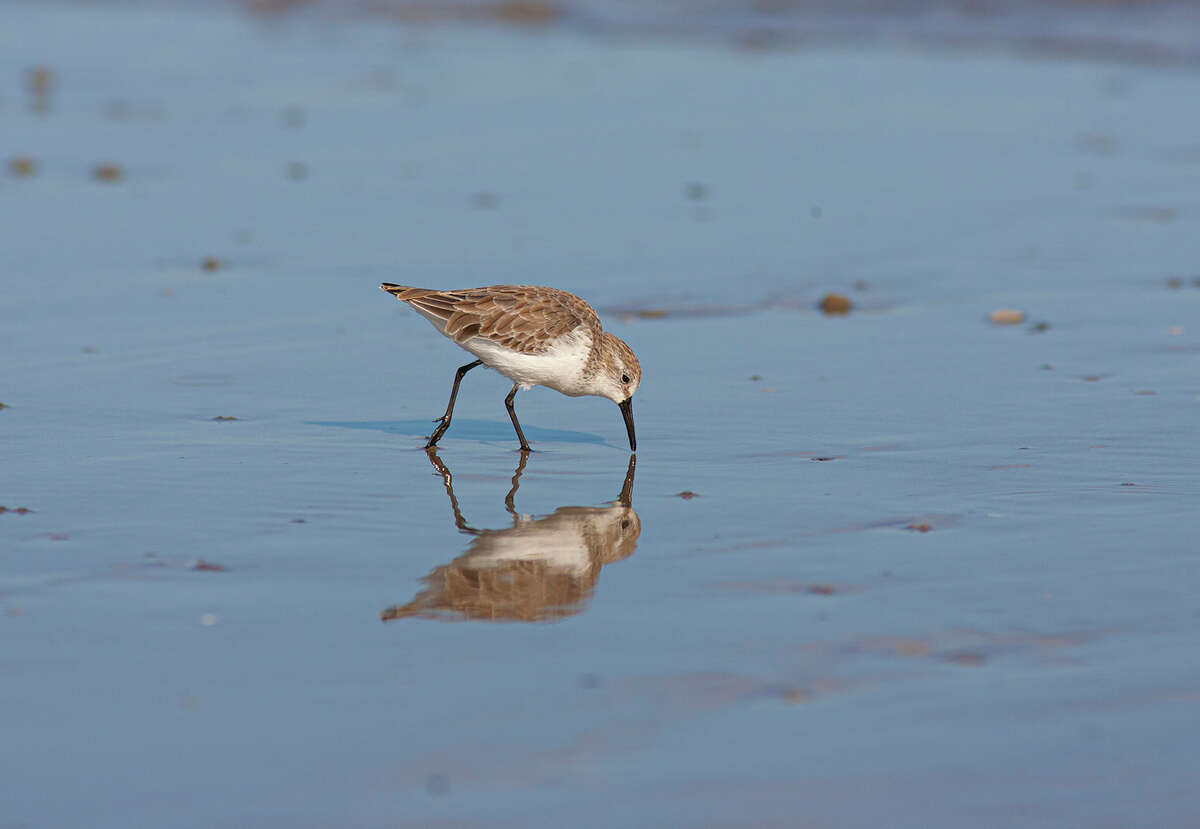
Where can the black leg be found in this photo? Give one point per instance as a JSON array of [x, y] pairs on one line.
[[512, 413], [444, 421], [516, 483]]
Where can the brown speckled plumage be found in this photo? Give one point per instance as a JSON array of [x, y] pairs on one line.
[[525, 318], [612, 349]]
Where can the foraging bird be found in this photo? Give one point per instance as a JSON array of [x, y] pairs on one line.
[[534, 336]]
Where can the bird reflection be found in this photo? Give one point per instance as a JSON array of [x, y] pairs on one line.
[[537, 570]]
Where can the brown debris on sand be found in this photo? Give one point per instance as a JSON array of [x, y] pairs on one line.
[[1006, 316], [835, 305], [107, 172], [22, 166], [40, 81]]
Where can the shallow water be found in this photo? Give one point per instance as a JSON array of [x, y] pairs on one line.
[[933, 572]]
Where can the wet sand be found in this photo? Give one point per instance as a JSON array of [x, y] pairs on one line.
[[921, 564]]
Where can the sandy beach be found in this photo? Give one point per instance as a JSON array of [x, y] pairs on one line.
[[928, 563]]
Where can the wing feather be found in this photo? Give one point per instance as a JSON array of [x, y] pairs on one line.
[[525, 318]]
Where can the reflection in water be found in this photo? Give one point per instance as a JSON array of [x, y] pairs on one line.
[[539, 569]]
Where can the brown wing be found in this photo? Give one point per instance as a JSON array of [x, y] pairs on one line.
[[525, 318]]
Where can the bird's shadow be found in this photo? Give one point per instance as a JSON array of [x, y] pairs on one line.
[[486, 431]]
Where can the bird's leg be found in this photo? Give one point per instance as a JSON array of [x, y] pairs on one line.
[[444, 421], [516, 483], [512, 413]]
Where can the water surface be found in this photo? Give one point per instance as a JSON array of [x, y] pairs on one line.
[[902, 567]]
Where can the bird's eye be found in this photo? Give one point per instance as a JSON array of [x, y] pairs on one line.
[[624, 378], [625, 524]]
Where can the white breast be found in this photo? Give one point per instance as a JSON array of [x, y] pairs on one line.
[[560, 367]]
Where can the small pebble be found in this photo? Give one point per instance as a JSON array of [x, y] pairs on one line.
[[526, 12], [108, 173], [22, 165], [835, 305], [40, 80], [1006, 316], [41, 83]]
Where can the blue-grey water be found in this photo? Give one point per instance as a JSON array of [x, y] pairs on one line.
[[903, 567]]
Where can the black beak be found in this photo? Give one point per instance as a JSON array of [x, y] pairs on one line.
[[627, 412]]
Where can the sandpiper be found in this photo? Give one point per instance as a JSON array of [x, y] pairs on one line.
[[534, 336]]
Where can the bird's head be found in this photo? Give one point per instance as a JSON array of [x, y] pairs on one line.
[[618, 378]]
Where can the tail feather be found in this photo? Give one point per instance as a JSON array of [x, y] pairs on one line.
[[435, 306], [406, 292]]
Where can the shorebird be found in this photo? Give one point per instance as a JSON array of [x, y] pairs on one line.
[[534, 336]]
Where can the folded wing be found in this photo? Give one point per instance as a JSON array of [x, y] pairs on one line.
[[524, 318]]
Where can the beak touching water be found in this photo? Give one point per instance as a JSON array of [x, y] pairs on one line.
[[627, 412]]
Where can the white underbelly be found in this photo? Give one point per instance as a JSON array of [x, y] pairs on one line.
[[560, 367]]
